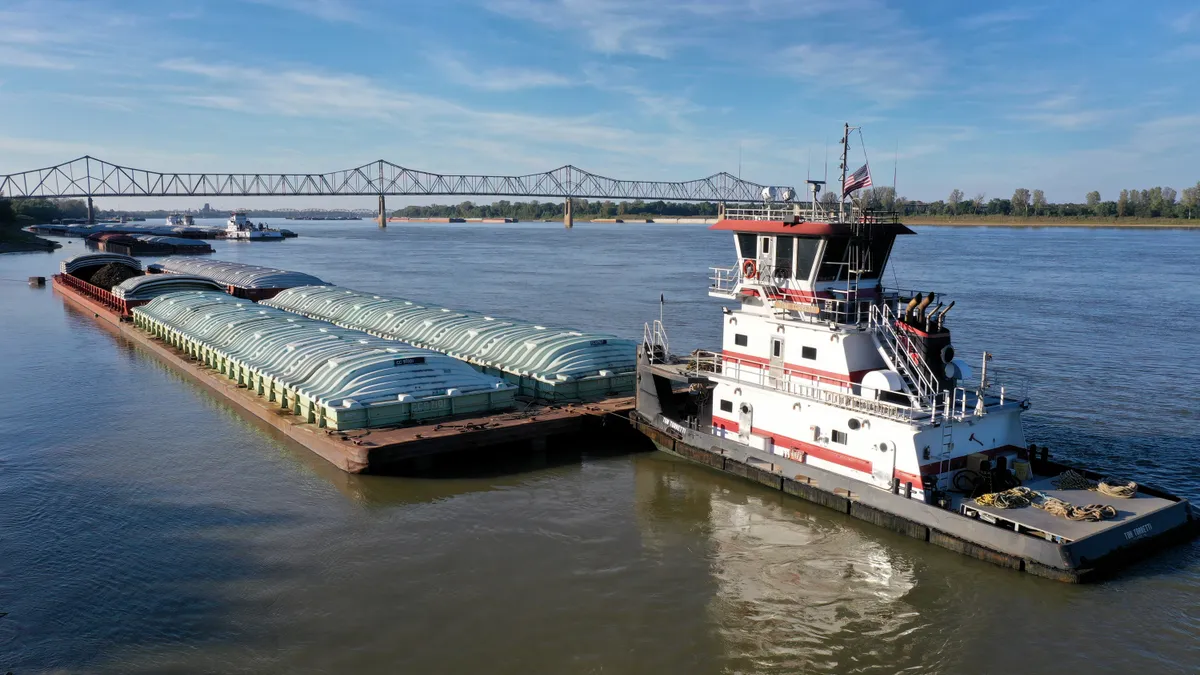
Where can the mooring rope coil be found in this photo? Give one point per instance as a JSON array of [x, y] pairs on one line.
[[1117, 487], [1013, 498], [1020, 497]]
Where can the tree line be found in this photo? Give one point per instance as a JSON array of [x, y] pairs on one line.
[[582, 208], [1156, 202]]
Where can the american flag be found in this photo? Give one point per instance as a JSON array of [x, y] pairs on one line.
[[858, 179]]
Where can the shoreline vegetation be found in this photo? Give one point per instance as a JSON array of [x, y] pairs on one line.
[[1156, 208], [15, 240], [1051, 221]]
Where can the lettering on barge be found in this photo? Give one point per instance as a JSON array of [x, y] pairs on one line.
[[1139, 532], [436, 404]]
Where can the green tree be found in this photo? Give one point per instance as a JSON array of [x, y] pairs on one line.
[[1020, 202], [1093, 201], [1039, 202], [1191, 199], [953, 200], [1123, 204]]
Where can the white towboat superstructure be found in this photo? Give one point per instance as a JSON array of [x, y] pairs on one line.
[[820, 363], [828, 378], [240, 227]]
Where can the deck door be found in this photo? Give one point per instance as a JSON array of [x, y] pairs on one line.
[[776, 365]]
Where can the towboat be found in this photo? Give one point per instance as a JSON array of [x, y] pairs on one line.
[[240, 227], [835, 388]]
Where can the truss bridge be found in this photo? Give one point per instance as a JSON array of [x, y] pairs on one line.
[[89, 177]]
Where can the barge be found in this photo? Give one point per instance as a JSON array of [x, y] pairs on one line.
[[252, 282], [363, 403], [545, 362], [833, 388]]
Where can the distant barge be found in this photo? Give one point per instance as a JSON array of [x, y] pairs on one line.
[[364, 403]]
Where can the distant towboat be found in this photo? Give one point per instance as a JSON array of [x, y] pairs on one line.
[[240, 227]]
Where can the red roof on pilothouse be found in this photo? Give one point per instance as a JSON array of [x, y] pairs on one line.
[[803, 228]]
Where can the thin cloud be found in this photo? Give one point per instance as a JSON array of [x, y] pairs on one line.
[[497, 79], [1184, 23], [334, 11], [611, 26], [996, 19]]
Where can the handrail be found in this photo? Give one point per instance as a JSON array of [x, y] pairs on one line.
[[655, 343], [803, 212], [833, 391], [914, 367]]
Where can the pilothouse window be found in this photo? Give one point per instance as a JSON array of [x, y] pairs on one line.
[[766, 244], [833, 263], [746, 244], [783, 257], [806, 253]]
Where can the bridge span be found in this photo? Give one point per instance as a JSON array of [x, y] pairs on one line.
[[89, 177]]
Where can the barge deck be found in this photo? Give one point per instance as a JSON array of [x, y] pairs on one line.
[[375, 450]]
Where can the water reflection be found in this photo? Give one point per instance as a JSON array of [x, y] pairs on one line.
[[796, 589]]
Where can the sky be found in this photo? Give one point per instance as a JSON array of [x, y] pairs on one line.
[[1066, 97]]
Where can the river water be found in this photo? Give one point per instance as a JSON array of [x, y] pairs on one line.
[[145, 526]]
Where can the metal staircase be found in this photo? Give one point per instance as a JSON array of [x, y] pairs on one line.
[[918, 378]]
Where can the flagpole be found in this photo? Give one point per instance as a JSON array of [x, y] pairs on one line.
[[845, 153]]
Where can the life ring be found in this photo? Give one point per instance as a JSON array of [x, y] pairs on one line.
[[750, 269]]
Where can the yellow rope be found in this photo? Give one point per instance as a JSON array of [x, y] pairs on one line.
[[1020, 497], [1014, 498], [1117, 487]]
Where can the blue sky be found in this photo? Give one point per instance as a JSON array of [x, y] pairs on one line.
[[985, 97]]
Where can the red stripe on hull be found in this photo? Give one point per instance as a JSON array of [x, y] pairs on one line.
[[833, 456], [817, 451], [728, 425]]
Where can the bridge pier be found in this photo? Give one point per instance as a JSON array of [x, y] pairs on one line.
[[720, 210], [382, 211], [568, 214], [91, 212]]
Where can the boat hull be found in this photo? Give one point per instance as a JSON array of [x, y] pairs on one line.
[[1085, 559]]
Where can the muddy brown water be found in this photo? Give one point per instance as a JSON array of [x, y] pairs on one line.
[[146, 526]]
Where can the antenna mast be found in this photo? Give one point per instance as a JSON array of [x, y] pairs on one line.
[[845, 153]]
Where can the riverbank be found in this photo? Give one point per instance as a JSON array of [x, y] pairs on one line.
[[1017, 221], [15, 240]]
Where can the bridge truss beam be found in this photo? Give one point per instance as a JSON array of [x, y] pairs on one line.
[[91, 177]]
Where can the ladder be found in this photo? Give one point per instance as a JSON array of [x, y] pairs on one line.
[[943, 480]]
